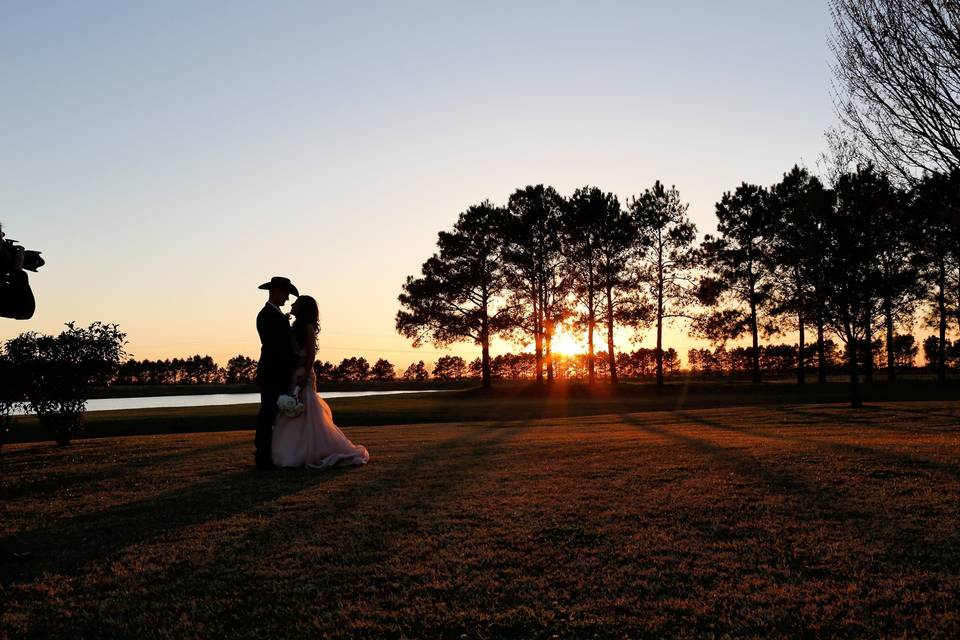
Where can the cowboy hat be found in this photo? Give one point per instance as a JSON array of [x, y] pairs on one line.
[[276, 282]]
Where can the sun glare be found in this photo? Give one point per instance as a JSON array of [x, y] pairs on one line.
[[565, 344]]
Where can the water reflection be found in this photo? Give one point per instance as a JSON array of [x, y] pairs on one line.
[[217, 399]]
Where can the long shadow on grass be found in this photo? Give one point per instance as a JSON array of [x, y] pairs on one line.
[[407, 489], [68, 543], [912, 464], [403, 501], [65, 545], [954, 412], [904, 544], [48, 488], [866, 416]]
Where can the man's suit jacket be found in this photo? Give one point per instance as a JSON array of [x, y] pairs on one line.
[[277, 356]]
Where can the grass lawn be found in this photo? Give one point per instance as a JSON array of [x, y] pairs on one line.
[[766, 521]]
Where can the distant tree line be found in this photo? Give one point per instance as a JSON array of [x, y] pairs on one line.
[[778, 359], [191, 370], [506, 366], [241, 369], [640, 363]]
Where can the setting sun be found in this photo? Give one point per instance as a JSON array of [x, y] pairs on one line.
[[566, 344]]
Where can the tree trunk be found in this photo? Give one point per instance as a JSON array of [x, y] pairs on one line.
[[591, 319], [942, 312], [868, 356], [538, 340], [610, 354], [821, 350], [801, 372], [756, 340], [854, 378], [549, 352], [485, 350], [888, 319], [660, 325], [956, 300], [852, 362]]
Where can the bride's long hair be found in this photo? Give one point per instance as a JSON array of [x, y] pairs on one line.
[[307, 322]]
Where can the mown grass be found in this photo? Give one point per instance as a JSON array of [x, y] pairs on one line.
[[779, 521]]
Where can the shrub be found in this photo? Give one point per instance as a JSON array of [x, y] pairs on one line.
[[12, 392], [59, 371]]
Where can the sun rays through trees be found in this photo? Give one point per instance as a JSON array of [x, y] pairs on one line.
[[557, 274]]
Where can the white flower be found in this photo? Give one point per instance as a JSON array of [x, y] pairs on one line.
[[290, 406]]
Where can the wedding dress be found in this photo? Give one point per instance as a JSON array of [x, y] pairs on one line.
[[312, 439]]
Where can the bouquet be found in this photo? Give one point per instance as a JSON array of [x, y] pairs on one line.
[[290, 405]]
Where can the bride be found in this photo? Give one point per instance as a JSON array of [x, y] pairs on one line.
[[311, 439]]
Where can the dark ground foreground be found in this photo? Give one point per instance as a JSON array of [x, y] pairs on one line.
[[782, 521]]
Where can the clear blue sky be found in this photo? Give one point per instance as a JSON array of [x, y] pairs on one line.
[[168, 157]]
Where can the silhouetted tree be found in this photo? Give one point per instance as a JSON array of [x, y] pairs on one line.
[[416, 371], [555, 305], [241, 369], [475, 369], [382, 371], [898, 274], [905, 351], [849, 263], [599, 240], [13, 392], [799, 202], [202, 370], [519, 366], [671, 361], [843, 154], [898, 71], [324, 371], [887, 280], [531, 253], [623, 301], [581, 226], [740, 268], [449, 368], [936, 211], [932, 350], [353, 369], [661, 219], [455, 297]]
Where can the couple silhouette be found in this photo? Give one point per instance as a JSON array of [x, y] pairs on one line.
[[311, 438]]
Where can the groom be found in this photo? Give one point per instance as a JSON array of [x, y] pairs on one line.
[[276, 365]]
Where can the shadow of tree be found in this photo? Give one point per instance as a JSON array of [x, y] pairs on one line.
[[63, 478], [411, 485], [897, 533], [883, 455], [64, 545]]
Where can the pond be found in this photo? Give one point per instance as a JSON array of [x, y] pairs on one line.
[[216, 399]]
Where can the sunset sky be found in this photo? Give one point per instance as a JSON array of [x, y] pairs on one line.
[[168, 157]]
